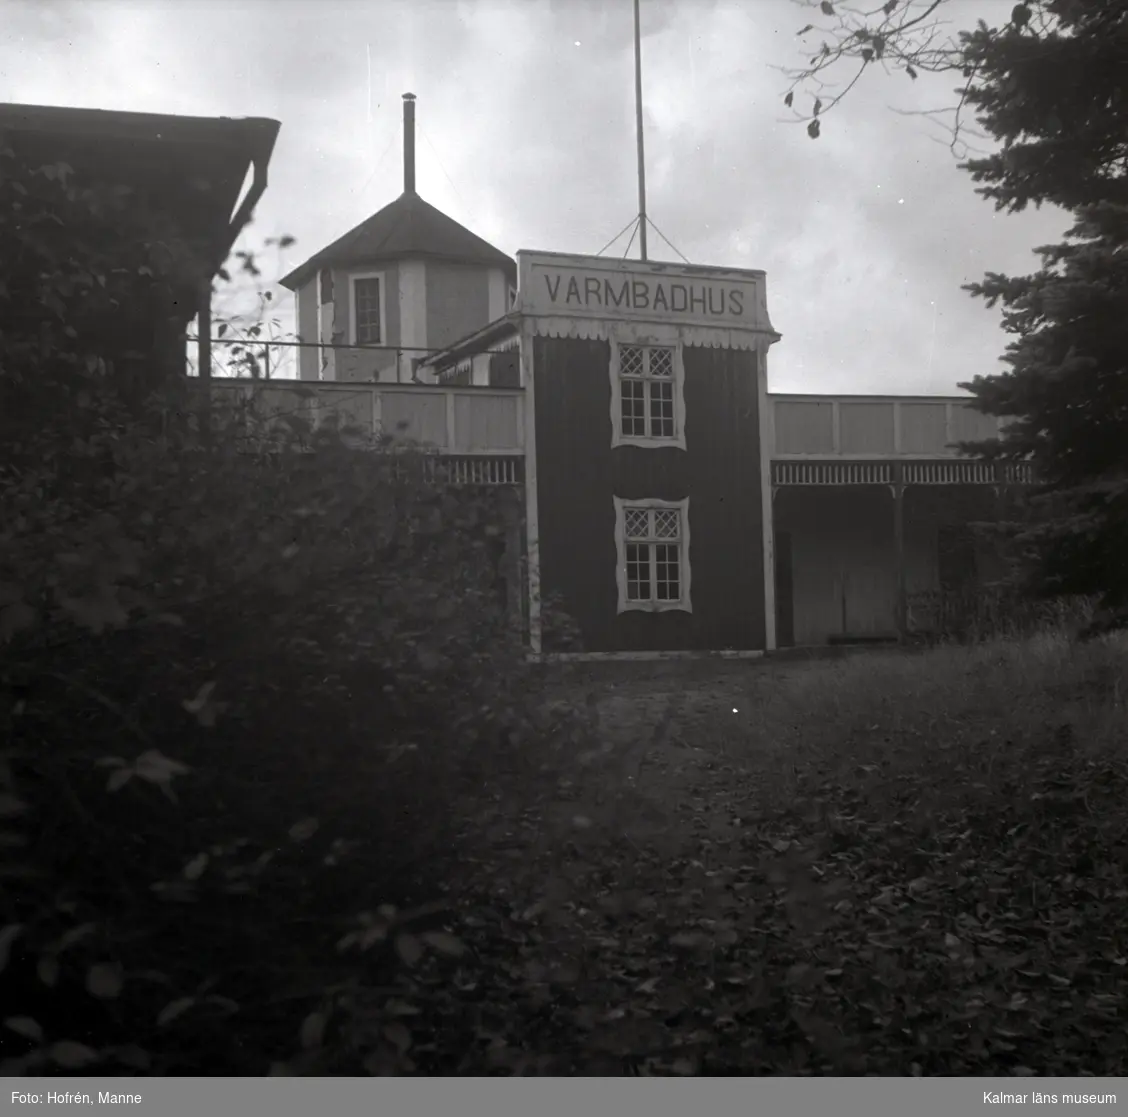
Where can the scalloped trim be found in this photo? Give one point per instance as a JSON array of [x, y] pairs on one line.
[[593, 329]]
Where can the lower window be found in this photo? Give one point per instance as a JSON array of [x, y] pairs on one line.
[[652, 546]]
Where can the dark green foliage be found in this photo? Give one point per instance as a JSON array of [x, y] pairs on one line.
[[1048, 85], [250, 678], [1056, 99]]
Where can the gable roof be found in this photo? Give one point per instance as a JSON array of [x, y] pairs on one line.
[[407, 227]]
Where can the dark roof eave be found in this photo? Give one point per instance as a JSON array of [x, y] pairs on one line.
[[259, 160], [476, 342], [254, 134], [240, 142]]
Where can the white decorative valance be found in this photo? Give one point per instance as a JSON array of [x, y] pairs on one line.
[[594, 329], [829, 472]]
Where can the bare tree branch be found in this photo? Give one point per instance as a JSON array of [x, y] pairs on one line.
[[909, 36]]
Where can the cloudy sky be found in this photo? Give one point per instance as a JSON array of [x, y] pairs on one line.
[[526, 135]]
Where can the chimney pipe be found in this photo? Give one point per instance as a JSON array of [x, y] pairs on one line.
[[409, 143]]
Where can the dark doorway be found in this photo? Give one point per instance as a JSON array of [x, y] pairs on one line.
[[956, 558], [785, 599]]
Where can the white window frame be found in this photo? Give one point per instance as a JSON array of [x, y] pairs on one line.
[[647, 337], [511, 296], [382, 277], [625, 605]]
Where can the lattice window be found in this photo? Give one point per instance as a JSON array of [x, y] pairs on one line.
[[652, 544], [648, 391], [366, 310]]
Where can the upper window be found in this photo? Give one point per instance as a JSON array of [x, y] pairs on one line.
[[367, 309], [652, 545], [647, 395], [512, 297]]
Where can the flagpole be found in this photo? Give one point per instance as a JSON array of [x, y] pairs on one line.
[[638, 128]]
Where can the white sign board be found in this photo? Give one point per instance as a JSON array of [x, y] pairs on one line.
[[555, 285]]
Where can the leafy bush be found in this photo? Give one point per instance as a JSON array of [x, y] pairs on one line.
[[249, 673]]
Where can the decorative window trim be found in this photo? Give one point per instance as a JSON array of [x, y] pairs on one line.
[[382, 277], [685, 603], [645, 336]]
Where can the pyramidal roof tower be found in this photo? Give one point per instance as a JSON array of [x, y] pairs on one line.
[[408, 226], [405, 281]]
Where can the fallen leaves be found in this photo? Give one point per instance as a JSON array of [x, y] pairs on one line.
[[858, 925], [104, 981], [71, 1055], [874, 915], [409, 948]]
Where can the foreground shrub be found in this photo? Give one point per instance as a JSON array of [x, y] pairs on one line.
[[252, 679], [243, 691]]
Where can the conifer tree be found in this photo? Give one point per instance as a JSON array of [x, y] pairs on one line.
[[1051, 88], [1056, 100]]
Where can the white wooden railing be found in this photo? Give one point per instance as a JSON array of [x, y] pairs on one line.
[[462, 421], [874, 427]]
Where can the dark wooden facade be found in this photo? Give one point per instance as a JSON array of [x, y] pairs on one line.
[[579, 473], [812, 519]]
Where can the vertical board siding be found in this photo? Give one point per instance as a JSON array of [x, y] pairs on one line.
[[803, 428], [924, 428], [842, 570], [843, 573], [969, 425], [282, 401], [423, 416], [505, 370], [351, 408], [486, 422], [726, 507], [308, 357], [458, 301], [866, 428], [876, 427], [576, 518], [579, 472]]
